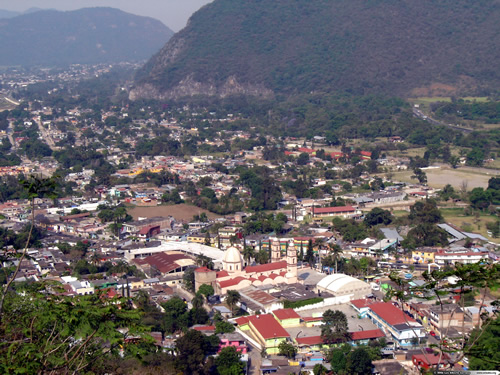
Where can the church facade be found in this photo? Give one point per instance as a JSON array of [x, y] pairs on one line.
[[234, 276]]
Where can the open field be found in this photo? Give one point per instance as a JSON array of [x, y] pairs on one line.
[[437, 178], [179, 212], [426, 100], [474, 224]]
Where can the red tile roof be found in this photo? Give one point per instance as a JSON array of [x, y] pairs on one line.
[[284, 314], [242, 320], [267, 326], [231, 282], [266, 267], [390, 313], [146, 230], [361, 335], [222, 274], [327, 210], [204, 328], [430, 358], [202, 269], [365, 335], [163, 262], [308, 150], [360, 303]]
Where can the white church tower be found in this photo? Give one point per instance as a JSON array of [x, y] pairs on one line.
[[291, 264]]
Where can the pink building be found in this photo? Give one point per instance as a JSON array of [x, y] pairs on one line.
[[233, 339]]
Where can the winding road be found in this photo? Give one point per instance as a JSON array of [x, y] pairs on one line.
[[418, 113]]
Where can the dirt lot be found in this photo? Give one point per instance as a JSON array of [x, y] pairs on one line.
[[179, 212], [437, 178]]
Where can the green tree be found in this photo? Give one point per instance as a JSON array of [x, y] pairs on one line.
[[475, 157], [188, 279], [191, 350], [287, 349], [419, 175], [62, 334], [262, 256], [480, 198], [359, 362], [338, 360], [248, 254], [484, 355], [204, 261], [425, 212], [206, 290], [336, 253], [309, 257], [303, 158], [425, 235], [319, 369], [378, 216], [224, 327], [176, 316], [228, 362], [232, 298], [335, 327]]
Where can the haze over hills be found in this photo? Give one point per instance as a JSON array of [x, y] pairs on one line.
[[267, 47], [85, 36]]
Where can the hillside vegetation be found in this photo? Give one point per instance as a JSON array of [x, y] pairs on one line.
[[85, 36], [264, 47]]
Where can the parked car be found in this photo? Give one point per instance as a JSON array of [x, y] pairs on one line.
[[432, 333]]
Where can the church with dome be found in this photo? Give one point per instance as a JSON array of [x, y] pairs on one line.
[[234, 276]]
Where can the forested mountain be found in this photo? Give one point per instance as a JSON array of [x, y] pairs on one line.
[[85, 36], [8, 14], [266, 47]]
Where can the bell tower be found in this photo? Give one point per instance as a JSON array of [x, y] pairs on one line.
[[291, 264], [275, 251]]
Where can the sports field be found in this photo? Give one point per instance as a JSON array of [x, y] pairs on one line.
[[437, 178], [179, 212]]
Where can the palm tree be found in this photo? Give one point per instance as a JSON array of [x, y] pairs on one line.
[[336, 252], [203, 261], [233, 297], [248, 253]]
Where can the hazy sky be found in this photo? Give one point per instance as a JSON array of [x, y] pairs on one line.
[[173, 13]]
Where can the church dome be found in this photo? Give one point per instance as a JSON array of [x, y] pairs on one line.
[[232, 255]]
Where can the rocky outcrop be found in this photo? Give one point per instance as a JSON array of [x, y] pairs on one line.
[[190, 87]]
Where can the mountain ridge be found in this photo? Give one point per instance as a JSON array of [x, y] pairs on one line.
[[357, 46], [84, 36]]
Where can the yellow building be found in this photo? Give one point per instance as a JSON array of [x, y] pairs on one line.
[[423, 255], [287, 317], [201, 238], [266, 330]]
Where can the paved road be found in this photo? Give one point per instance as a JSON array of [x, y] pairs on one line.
[[418, 113], [255, 360], [45, 135]]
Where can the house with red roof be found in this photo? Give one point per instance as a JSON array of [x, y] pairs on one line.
[[265, 329], [430, 360], [391, 320], [362, 306], [163, 263], [287, 317], [315, 343]]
